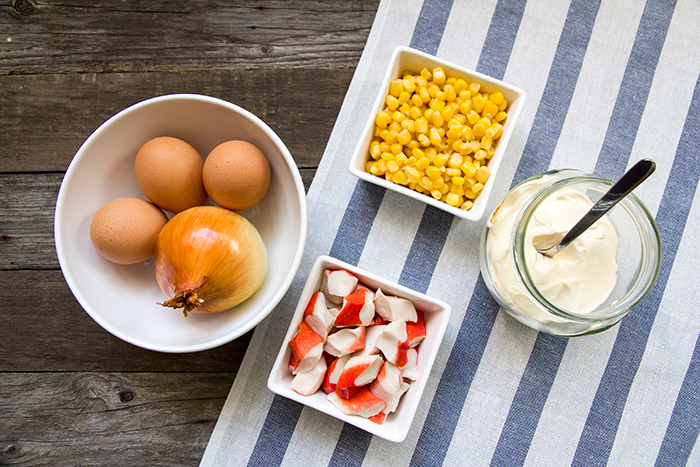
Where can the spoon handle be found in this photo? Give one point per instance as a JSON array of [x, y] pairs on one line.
[[629, 181]]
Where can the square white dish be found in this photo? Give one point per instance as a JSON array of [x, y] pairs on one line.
[[397, 424], [405, 58]]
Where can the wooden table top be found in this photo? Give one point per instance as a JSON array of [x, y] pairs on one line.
[[70, 392]]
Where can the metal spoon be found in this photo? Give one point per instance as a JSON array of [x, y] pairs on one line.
[[629, 181]]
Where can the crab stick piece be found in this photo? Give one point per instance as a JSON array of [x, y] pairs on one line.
[[393, 342], [357, 310], [308, 383], [378, 419], [389, 386], [392, 308], [333, 373], [307, 348], [416, 330], [410, 369], [317, 316], [371, 335], [362, 403], [345, 341], [337, 284], [357, 372]]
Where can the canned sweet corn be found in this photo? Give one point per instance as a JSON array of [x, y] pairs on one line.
[[436, 134]]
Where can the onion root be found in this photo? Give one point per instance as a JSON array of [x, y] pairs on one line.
[[188, 300]]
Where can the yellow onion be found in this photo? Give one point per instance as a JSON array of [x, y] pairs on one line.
[[209, 259]]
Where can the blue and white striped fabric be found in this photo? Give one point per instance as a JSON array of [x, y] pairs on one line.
[[608, 82]]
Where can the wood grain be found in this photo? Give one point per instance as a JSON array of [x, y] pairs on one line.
[[108, 419], [70, 392]]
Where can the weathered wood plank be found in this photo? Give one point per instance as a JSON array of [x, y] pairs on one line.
[[27, 205], [105, 419], [45, 118], [43, 328], [120, 36]]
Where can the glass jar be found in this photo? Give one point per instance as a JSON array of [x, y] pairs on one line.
[[506, 270]]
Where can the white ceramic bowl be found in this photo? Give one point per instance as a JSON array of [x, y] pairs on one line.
[[405, 58], [122, 299], [397, 424]]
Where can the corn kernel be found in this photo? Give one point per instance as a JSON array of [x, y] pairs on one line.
[[460, 85], [455, 160], [486, 142], [395, 126], [416, 100], [468, 169], [436, 194], [478, 102], [401, 159], [494, 131], [400, 178], [392, 137], [457, 189], [497, 97], [423, 140], [404, 136], [412, 174], [426, 74], [467, 205], [424, 95], [454, 133], [480, 155], [382, 120], [479, 129], [500, 116], [422, 163], [387, 156], [439, 75], [469, 194], [452, 172], [452, 199], [490, 110], [457, 181], [435, 136], [450, 93], [444, 190], [398, 116], [415, 112], [483, 174], [474, 88], [404, 97], [503, 105], [472, 117], [477, 187], [433, 90], [447, 113], [391, 102], [433, 172], [392, 166], [374, 149], [396, 87], [438, 120], [413, 144], [430, 153], [409, 85], [426, 183], [439, 183]]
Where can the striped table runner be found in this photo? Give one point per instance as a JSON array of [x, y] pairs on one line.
[[608, 82]]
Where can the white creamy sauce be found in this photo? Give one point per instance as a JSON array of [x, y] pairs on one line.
[[579, 278]]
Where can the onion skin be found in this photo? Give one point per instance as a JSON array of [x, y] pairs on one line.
[[209, 259]]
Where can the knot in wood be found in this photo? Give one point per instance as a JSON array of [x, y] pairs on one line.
[[126, 396], [23, 7]]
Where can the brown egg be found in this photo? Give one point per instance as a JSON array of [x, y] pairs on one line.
[[169, 172], [236, 175], [125, 230]]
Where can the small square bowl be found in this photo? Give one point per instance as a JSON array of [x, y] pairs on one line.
[[405, 58], [396, 425]]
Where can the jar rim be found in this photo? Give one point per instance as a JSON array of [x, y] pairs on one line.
[[566, 178]]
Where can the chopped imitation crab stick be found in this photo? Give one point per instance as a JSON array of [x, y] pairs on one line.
[[337, 284], [357, 372], [393, 342], [307, 348], [362, 403], [410, 369], [357, 310], [371, 335], [392, 308], [378, 419], [416, 331], [308, 383], [333, 373], [317, 316], [345, 341], [389, 386]]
